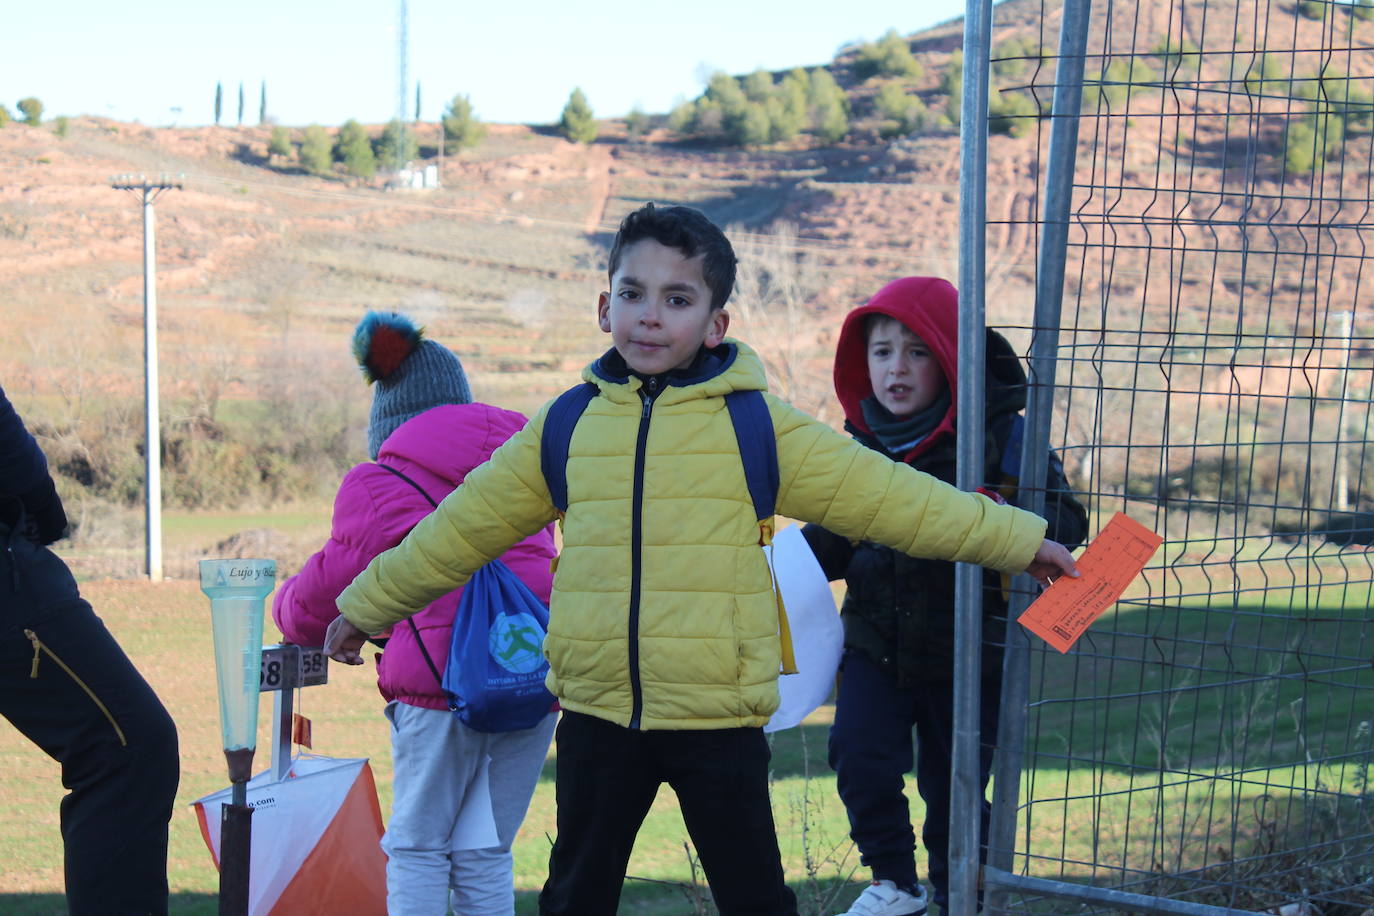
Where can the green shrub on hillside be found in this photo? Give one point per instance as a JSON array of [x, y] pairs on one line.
[[1267, 76], [1336, 92], [636, 123], [1011, 113], [827, 105], [32, 110], [1009, 59], [888, 56], [952, 85], [1312, 9], [786, 117], [4, 116], [1178, 54], [61, 126], [316, 152], [1362, 10], [279, 143], [952, 79], [758, 86], [353, 147], [725, 91], [397, 145], [1316, 138], [901, 112], [577, 123], [1119, 81], [758, 110], [682, 117], [462, 129]]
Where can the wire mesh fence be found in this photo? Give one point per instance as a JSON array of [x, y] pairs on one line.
[[1208, 743]]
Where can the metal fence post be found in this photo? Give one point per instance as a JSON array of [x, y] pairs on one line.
[[966, 790], [1049, 294]]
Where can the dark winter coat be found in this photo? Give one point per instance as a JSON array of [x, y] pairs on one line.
[[899, 610], [29, 504]]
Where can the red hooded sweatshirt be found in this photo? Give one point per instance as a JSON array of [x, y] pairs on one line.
[[928, 306]]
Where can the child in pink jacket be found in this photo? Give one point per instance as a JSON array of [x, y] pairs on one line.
[[425, 434]]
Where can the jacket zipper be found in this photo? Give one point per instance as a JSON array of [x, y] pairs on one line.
[[38, 647], [647, 394]]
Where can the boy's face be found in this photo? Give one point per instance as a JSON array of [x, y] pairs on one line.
[[905, 375], [658, 310]]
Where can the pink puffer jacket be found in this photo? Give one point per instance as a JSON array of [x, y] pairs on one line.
[[375, 509]]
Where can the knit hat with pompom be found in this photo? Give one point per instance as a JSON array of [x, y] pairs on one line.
[[409, 373]]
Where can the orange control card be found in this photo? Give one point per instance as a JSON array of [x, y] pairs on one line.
[[1069, 606]]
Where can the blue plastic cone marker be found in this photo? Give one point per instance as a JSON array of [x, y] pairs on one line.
[[236, 589]]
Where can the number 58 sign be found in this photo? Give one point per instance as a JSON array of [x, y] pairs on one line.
[[286, 666]]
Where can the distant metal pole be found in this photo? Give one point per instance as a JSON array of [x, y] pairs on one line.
[[148, 192], [1346, 319], [1049, 297], [403, 61], [966, 790]]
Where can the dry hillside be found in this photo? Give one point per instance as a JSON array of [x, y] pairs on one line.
[[263, 269]]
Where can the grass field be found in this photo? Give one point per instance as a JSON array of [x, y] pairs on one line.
[[1096, 787]]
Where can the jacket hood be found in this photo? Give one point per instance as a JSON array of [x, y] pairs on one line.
[[929, 306], [450, 440]]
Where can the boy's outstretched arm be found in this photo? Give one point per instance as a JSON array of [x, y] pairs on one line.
[[1050, 562], [343, 642]]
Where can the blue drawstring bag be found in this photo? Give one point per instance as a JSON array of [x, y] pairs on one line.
[[496, 666]]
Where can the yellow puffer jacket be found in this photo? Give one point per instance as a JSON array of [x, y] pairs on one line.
[[663, 614]]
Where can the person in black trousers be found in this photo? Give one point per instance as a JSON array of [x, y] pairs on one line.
[[69, 688]]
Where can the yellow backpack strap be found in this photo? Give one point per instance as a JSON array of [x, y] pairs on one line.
[[553, 563], [789, 658]]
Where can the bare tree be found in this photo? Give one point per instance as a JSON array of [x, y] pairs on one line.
[[777, 288]]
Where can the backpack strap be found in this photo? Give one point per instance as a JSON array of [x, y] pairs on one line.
[[433, 669], [559, 422], [758, 449]]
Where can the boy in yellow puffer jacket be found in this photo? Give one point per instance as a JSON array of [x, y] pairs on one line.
[[663, 638]]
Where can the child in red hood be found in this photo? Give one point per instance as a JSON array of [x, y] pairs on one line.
[[895, 367]]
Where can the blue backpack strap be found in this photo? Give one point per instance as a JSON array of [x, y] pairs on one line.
[[757, 448], [562, 417], [1011, 451]]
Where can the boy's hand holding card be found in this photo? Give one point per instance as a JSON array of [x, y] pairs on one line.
[[1068, 607]]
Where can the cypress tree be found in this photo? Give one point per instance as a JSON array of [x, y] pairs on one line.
[[578, 123], [219, 101]]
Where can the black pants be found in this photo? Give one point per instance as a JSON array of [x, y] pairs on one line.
[[90, 710], [870, 751], [607, 779]]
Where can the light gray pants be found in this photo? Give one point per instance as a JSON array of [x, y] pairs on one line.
[[435, 759]]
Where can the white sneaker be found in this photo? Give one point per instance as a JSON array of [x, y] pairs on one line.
[[884, 898]]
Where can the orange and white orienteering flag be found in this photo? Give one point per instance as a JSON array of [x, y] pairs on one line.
[[316, 839]]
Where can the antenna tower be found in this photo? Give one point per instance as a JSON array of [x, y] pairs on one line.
[[402, 60]]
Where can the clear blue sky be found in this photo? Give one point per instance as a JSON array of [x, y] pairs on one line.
[[325, 61]]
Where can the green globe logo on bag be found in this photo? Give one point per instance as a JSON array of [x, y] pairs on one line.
[[515, 641]]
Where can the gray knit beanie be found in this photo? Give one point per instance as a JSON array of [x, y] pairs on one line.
[[410, 374]]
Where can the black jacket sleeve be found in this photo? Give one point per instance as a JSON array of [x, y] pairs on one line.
[[24, 480], [832, 551]]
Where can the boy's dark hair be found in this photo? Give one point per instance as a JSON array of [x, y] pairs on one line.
[[873, 319], [690, 232]]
